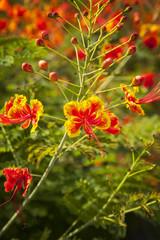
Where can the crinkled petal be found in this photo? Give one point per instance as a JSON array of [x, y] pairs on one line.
[[104, 122], [71, 109], [8, 105], [26, 124], [36, 112], [20, 100], [85, 107], [13, 175], [72, 128], [135, 108], [113, 130], [27, 180], [96, 104]]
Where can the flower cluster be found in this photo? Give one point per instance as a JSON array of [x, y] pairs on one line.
[[17, 178], [18, 111], [90, 114]]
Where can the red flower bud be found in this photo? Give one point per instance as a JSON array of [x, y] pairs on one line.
[[53, 77], [85, 13], [104, 29], [27, 67], [49, 14], [76, 15], [137, 81], [119, 26], [55, 15], [134, 37], [43, 65], [74, 41], [123, 19], [128, 9], [40, 42], [52, 14], [45, 35], [106, 63], [131, 50]]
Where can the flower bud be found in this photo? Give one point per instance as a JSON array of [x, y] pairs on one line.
[[128, 9], [106, 63], [137, 81], [43, 65], [85, 13], [131, 50], [49, 14], [39, 42], [103, 29], [45, 35], [27, 67], [74, 41], [76, 15], [119, 26], [55, 15], [53, 77], [134, 37], [123, 19]]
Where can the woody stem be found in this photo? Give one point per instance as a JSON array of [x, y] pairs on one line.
[[10, 145]]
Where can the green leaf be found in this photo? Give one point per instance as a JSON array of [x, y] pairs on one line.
[[6, 61]]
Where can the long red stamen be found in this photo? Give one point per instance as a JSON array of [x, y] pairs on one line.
[[11, 197], [152, 96], [19, 211], [110, 100], [93, 134]]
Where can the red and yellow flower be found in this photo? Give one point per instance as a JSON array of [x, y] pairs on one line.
[[133, 103], [17, 178], [90, 114], [18, 111]]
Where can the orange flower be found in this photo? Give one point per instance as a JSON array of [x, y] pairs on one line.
[[114, 128], [134, 103], [16, 177], [18, 111], [90, 113]]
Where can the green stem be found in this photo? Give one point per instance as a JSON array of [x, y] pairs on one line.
[[56, 118], [80, 27], [73, 27], [111, 89], [10, 145], [67, 89], [41, 75], [87, 54], [110, 198], [109, 21], [119, 104], [112, 49], [94, 82], [63, 56], [72, 84], [79, 73], [62, 92]]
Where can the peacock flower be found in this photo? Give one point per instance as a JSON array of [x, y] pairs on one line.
[[18, 111], [90, 114], [17, 178], [114, 128], [133, 103]]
